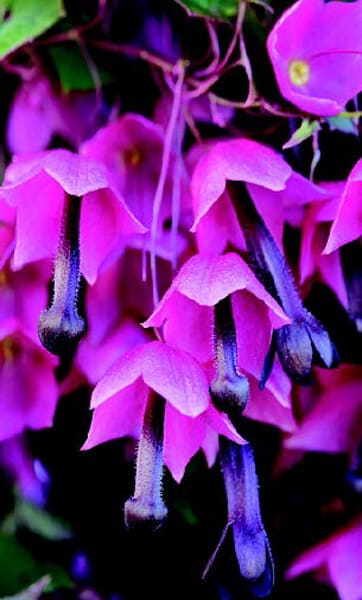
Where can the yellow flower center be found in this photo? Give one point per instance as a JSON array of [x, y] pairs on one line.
[[7, 349], [132, 157], [299, 72]]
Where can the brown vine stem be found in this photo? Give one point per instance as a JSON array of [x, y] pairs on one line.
[[145, 55], [261, 103], [76, 33]]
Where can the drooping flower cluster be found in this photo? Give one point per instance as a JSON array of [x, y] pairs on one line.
[[158, 271]]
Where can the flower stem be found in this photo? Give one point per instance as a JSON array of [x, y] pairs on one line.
[[60, 326]]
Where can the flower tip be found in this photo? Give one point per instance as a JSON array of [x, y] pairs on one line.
[[267, 365], [295, 352], [358, 322], [263, 585], [230, 392], [142, 514], [58, 332], [324, 351], [255, 560]]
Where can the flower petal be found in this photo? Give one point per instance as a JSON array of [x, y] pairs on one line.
[[207, 279], [183, 437], [97, 242], [347, 225], [173, 374], [234, 160], [334, 423], [177, 377], [119, 416]]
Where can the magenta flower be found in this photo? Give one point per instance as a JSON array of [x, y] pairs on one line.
[[200, 284], [81, 226], [28, 390], [95, 355], [111, 330], [279, 194], [338, 556], [23, 294], [30, 183], [7, 231], [332, 254], [333, 423], [132, 150], [305, 340], [315, 228], [347, 224], [38, 112], [31, 116], [191, 422], [225, 166], [287, 205], [186, 315], [316, 52], [215, 221]]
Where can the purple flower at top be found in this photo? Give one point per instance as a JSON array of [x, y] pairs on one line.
[[316, 52], [38, 112]]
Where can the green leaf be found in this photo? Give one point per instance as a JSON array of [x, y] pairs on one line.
[[72, 68], [58, 577], [24, 20], [8, 525], [254, 26], [305, 131], [18, 569], [41, 522], [217, 9], [343, 124], [186, 512]]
